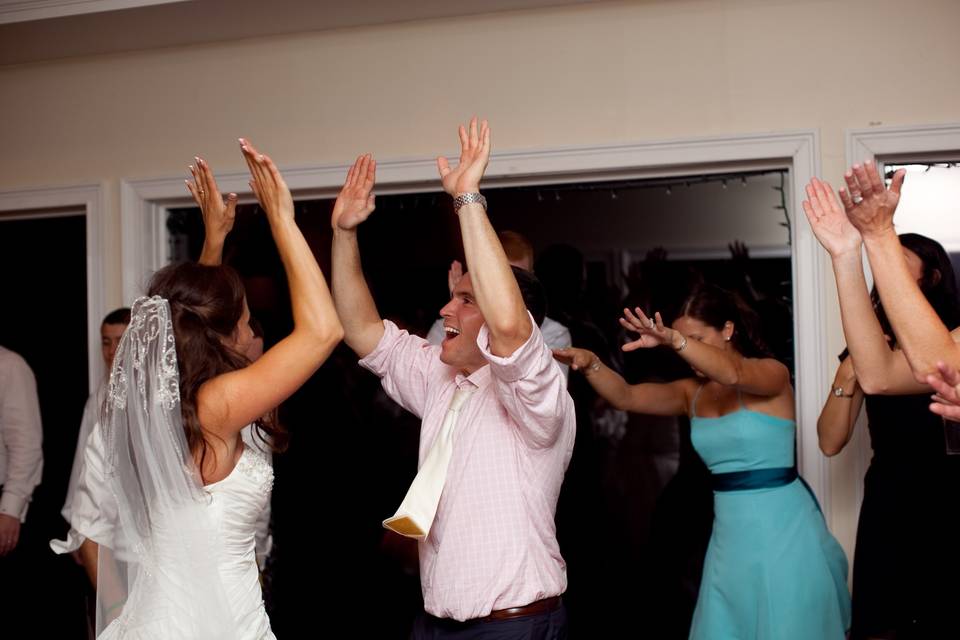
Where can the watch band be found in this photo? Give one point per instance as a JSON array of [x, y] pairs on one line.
[[467, 198]]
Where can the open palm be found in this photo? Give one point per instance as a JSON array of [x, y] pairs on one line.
[[267, 184], [474, 156], [356, 200], [218, 213], [830, 224], [653, 333]]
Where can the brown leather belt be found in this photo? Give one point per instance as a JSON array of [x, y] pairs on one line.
[[534, 608]]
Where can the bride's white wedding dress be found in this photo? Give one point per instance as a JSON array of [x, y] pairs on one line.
[[177, 560], [235, 504]]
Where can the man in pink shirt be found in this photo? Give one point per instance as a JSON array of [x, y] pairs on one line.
[[490, 565]]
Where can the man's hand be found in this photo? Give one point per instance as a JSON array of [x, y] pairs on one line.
[[474, 155], [356, 200], [9, 533]]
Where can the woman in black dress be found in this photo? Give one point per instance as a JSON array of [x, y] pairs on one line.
[[906, 569]]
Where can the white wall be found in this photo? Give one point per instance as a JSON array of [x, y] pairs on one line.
[[584, 75]]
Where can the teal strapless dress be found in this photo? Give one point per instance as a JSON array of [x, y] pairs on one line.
[[772, 571]]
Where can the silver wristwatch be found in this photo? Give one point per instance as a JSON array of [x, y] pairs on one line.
[[467, 198]]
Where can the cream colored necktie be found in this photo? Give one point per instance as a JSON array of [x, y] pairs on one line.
[[416, 512]]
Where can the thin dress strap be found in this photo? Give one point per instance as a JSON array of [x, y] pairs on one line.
[[693, 405]]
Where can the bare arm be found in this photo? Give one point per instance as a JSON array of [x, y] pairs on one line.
[[230, 401], [88, 554], [920, 333], [670, 399], [758, 376], [494, 284], [362, 324], [218, 214], [839, 414], [879, 370]]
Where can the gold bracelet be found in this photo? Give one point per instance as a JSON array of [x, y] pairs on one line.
[[594, 366]]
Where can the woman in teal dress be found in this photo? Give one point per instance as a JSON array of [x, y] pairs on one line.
[[773, 571]]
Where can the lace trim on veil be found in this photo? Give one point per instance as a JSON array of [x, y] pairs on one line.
[[164, 563]]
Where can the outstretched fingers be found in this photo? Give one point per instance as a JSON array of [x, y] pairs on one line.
[[443, 166], [897, 183], [370, 176], [873, 175], [863, 180]]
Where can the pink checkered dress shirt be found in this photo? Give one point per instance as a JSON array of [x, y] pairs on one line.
[[493, 543]]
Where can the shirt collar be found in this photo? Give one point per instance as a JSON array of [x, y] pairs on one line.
[[476, 379]]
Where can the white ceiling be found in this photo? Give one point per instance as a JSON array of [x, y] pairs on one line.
[[36, 30]]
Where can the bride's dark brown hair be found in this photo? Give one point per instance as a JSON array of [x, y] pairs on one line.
[[206, 303]]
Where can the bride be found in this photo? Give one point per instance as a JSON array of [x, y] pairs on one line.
[[169, 491]]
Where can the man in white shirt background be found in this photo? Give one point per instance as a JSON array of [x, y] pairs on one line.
[[21, 438], [21, 466]]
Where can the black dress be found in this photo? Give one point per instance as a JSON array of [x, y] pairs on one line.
[[906, 568]]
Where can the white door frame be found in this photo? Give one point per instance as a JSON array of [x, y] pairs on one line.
[[884, 145], [85, 199], [902, 142], [145, 202]]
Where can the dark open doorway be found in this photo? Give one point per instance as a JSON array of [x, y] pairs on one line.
[[635, 515], [44, 287]]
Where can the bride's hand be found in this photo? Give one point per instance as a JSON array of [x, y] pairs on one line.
[[267, 184]]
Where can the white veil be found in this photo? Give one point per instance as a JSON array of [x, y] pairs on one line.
[[161, 577]]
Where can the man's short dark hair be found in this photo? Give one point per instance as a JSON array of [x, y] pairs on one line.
[[118, 316], [534, 295]]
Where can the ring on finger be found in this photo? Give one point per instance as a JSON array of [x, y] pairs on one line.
[[856, 198]]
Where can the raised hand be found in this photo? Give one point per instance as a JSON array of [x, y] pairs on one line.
[[454, 275], [830, 224], [355, 202], [945, 381], [267, 184], [868, 203], [653, 333], [218, 214], [739, 253], [474, 155], [578, 359]]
